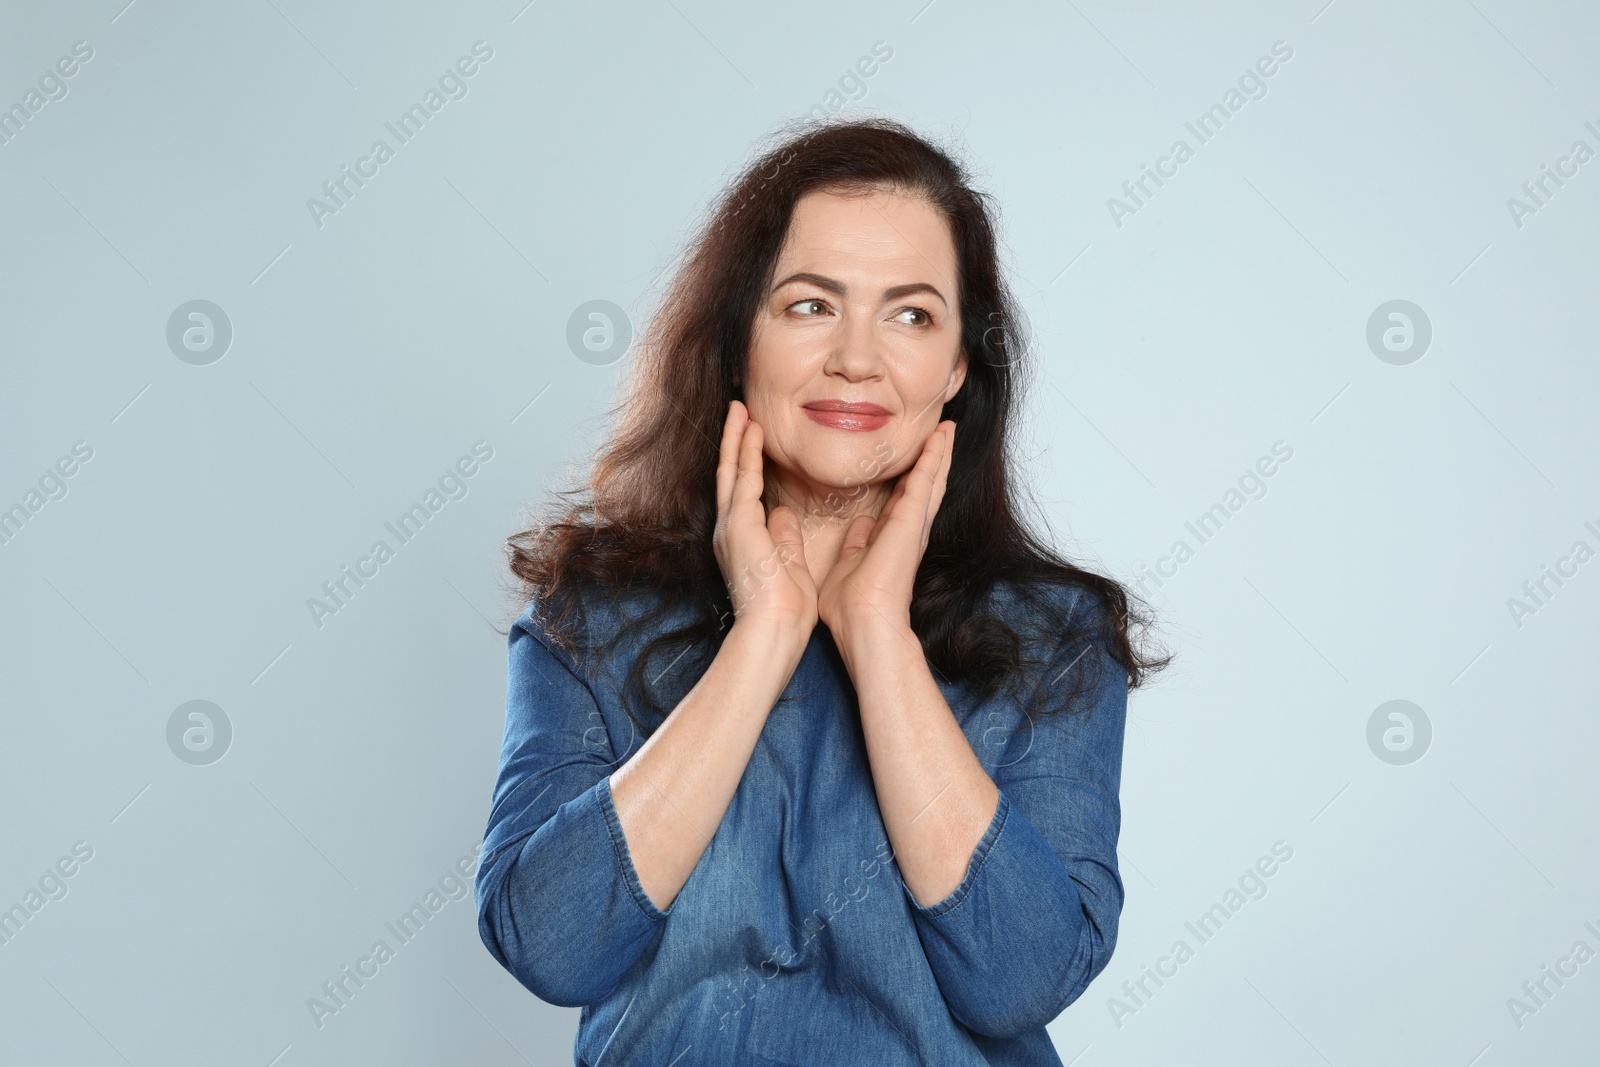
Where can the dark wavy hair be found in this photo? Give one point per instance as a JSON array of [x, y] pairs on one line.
[[644, 521]]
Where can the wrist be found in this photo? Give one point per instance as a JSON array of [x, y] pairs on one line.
[[774, 630], [871, 640], [871, 629]]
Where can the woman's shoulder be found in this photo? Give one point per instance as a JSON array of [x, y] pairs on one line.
[[1068, 632], [1056, 609], [584, 624]]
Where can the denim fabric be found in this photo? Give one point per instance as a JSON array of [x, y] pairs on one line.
[[795, 940]]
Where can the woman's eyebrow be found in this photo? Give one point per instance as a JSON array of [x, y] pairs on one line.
[[838, 289]]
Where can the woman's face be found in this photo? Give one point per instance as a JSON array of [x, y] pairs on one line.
[[863, 310]]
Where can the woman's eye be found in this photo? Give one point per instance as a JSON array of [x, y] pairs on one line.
[[804, 303], [925, 320]]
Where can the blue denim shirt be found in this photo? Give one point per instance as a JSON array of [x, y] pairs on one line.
[[795, 941]]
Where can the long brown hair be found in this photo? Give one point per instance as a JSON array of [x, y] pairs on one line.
[[645, 519]]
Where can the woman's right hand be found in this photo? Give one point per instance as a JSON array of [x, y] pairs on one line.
[[762, 556]]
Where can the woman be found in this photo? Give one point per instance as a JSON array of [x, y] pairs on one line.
[[736, 836]]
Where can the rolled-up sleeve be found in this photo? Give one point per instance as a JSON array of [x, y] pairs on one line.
[[1034, 920], [559, 902]]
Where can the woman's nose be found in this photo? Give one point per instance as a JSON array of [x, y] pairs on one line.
[[855, 351]]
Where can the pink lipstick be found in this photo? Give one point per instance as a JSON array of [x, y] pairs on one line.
[[857, 416]]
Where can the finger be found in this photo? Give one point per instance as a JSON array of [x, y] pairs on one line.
[[913, 517], [733, 427], [889, 506], [894, 495], [941, 480], [748, 482], [857, 535], [917, 486], [784, 526]]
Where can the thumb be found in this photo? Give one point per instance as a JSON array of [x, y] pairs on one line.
[[858, 534], [783, 524]]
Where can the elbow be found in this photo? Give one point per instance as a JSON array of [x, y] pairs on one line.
[[1003, 1017], [1000, 1012], [556, 909], [534, 959]]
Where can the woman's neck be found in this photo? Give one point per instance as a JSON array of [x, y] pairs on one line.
[[825, 513]]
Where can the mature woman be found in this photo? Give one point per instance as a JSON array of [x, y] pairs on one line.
[[736, 836]]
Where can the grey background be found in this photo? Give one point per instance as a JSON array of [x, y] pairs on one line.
[[1230, 312]]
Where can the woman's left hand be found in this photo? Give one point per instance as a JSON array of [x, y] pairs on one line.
[[870, 584]]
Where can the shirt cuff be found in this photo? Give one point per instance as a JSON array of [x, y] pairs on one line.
[[625, 858], [985, 845]]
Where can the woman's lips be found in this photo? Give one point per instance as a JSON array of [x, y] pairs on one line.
[[843, 415]]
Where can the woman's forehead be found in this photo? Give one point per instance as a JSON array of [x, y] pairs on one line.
[[869, 237]]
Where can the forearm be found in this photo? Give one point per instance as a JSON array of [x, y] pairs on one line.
[[935, 797], [672, 794]]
